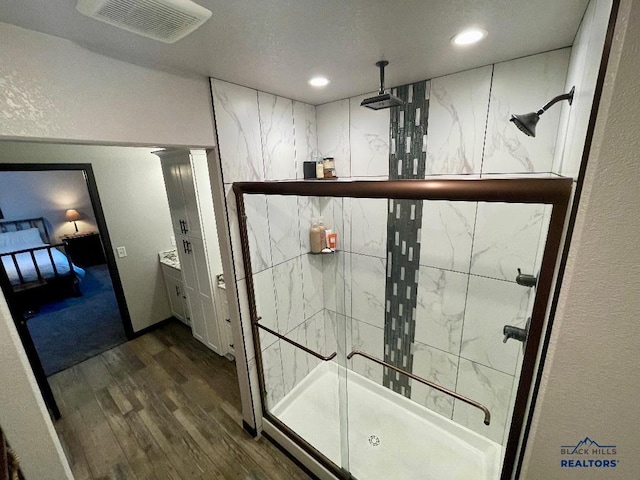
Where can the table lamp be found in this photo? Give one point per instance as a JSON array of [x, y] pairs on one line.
[[71, 216]]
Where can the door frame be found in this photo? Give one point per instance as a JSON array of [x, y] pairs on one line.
[[5, 284], [554, 192]]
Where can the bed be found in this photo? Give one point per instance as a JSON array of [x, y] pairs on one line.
[[37, 270]]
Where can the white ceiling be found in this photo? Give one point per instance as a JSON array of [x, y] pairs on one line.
[[277, 45]]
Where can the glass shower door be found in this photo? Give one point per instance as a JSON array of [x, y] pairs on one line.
[[300, 304], [409, 350], [431, 376]]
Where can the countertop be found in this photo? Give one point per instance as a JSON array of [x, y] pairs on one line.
[[170, 258]]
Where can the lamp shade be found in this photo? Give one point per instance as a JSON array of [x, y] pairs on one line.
[[72, 215]]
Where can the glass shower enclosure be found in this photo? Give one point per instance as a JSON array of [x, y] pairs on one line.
[[408, 350]]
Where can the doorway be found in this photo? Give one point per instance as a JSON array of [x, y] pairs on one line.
[[64, 315]]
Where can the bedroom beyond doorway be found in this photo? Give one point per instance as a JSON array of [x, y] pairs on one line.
[[52, 251]]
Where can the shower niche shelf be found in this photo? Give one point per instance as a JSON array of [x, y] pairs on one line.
[[324, 253]]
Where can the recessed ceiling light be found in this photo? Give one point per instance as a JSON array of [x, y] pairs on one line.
[[319, 82], [468, 37]]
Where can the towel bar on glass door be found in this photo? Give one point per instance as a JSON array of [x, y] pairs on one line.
[[296, 344], [487, 414]]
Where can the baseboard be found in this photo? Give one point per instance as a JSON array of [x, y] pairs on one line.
[[153, 327], [249, 429], [298, 463]]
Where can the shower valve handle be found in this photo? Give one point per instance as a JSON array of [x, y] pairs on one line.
[[516, 333], [526, 280]]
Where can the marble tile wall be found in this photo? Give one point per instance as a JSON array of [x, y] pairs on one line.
[[521, 86], [277, 136], [333, 134], [238, 126], [447, 234], [457, 116], [469, 252], [305, 135], [369, 139], [584, 65], [266, 137]]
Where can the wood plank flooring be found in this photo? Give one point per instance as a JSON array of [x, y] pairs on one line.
[[161, 406]]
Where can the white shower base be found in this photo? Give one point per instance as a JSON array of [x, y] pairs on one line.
[[390, 436]]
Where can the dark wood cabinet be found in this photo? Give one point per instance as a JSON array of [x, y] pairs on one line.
[[85, 249]]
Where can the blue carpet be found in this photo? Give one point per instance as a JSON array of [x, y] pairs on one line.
[[69, 331]]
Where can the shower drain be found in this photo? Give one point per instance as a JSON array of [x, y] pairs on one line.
[[374, 440]]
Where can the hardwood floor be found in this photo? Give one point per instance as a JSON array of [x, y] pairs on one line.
[[160, 407]]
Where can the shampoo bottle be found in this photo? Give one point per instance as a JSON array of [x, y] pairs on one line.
[[323, 235], [315, 237]]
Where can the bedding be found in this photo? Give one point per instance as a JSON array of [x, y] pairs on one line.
[[27, 239]]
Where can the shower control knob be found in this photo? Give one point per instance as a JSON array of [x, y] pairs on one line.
[[526, 280], [516, 333]]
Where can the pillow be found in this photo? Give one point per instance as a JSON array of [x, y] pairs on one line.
[[21, 239]]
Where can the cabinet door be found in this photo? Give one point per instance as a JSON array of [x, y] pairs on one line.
[[175, 195], [204, 321], [190, 200], [176, 298]]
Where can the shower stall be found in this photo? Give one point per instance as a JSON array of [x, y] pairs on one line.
[[409, 350]]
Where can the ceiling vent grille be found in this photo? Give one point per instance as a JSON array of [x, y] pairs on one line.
[[165, 20]]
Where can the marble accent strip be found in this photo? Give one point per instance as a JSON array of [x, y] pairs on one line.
[[407, 160]]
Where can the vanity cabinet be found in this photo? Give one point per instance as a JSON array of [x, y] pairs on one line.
[[175, 293], [186, 178]]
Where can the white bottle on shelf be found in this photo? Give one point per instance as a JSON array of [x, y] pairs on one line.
[[315, 235], [323, 234]]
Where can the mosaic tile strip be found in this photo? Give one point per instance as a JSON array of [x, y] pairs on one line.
[[407, 160]]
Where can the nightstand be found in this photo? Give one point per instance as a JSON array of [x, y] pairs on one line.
[[84, 249]]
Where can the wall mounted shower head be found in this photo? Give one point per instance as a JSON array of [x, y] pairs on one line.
[[527, 121]]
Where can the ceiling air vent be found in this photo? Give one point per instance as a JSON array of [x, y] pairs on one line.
[[165, 20]]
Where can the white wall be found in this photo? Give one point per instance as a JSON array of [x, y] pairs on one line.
[[591, 382], [23, 415], [47, 194], [55, 89]]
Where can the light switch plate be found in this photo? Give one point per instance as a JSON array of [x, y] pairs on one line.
[[122, 252]]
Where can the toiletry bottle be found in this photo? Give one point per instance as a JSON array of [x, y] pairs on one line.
[[314, 237], [319, 169], [332, 240], [323, 237]]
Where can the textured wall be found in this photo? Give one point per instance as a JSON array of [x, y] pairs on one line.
[[23, 415], [55, 89], [591, 380]]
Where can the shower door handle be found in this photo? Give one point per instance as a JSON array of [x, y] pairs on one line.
[[296, 344], [485, 410]]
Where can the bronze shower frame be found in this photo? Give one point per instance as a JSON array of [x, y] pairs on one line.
[[548, 191]]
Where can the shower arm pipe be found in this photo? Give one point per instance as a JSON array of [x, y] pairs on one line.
[[559, 98], [485, 410], [381, 64], [296, 344]]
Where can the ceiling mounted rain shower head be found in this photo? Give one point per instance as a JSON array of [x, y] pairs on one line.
[[382, 100], [527, 122]]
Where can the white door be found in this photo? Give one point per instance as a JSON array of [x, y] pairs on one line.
[[190, 199], [175, 195], [204, 322]]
